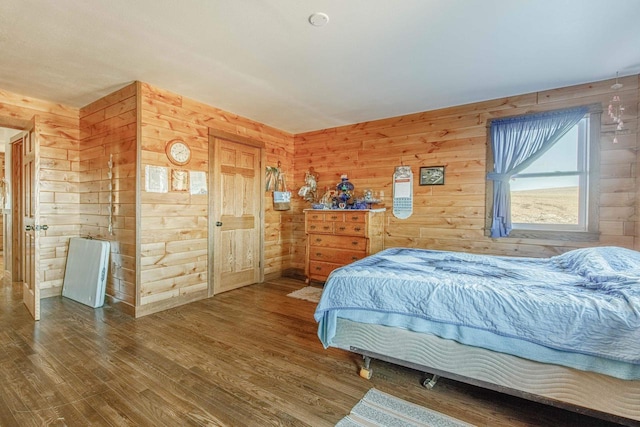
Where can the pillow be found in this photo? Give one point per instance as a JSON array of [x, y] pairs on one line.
[[602, 265]]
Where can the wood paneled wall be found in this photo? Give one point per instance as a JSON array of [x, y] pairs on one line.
[[108, 132], [58, 197], [159, 245], [2, 176], [174, 226], [57, 129], [452, 216]]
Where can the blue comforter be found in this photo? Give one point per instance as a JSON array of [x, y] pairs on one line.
[[584, 301]]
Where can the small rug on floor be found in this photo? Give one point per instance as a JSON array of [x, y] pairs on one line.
[[381, 409], [308, 293]]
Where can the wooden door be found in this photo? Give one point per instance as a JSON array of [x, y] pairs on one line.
[[28, 211], [236, 214]]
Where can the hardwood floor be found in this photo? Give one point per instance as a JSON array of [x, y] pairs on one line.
[[248, 357]]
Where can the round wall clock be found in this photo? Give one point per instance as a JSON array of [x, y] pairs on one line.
[[178, 152]]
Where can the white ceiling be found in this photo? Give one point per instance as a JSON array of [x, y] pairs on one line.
[[263, 60]]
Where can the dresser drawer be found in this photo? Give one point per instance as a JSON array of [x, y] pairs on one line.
[[315, 216], [338, 242], [355, 217], [334, 216], [320, 270], [326, 216], [320, 227], [337, 256], [351, 229]]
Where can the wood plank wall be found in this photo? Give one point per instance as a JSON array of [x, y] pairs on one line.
[[108, 131], [635, 172], [174, 225], [75, 147], [452, 216], [2, 176], [57, 127]]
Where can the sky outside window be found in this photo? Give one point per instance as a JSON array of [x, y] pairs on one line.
[[562, 157]]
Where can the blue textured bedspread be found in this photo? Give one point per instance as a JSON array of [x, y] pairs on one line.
[[585, 301]]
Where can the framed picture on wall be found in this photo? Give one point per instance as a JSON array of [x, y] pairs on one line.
[[179, 180], [432, 175], [156, 179]]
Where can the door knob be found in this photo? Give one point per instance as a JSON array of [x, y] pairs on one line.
[[218, 224]]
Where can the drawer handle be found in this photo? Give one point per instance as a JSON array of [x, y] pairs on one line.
[[313, 227], [355, 243], [342, 228], [326, 227], [318, 268], [357, 228], [355, 218], [354, 258], [318, 240], [334, 217], [319, 254]]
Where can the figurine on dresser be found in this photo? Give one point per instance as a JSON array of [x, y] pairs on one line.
[[343, 196]]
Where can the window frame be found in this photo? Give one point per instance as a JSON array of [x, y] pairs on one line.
[[587, 230]]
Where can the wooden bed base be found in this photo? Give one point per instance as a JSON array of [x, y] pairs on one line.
[[588, 393]]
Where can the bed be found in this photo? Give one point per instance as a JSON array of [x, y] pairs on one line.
[[563, 330]]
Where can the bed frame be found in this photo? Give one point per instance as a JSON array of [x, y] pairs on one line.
[[589, 393]]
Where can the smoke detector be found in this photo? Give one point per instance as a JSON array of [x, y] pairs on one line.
[[318, 19]]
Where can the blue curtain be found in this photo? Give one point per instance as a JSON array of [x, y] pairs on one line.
[[517, 142]]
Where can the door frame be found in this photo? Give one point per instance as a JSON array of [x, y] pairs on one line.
[[215, 134], [16, 196], [7, 209]]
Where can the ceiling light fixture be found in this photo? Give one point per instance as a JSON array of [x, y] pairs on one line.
[[319, 19]]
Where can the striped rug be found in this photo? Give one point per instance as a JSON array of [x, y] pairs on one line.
[[381, 409]]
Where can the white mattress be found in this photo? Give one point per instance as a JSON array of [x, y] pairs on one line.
[[509, 373]]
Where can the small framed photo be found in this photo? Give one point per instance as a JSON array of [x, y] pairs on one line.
[[432, 175]]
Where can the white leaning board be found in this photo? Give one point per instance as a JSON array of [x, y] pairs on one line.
[[85, 276]]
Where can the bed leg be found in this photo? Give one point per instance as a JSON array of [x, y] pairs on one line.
[[430, 383], [366, 371]]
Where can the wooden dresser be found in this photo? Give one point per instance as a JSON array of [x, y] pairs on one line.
[[339, 237]]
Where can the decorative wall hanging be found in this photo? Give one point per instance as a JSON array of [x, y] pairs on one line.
[[281, 200], [272, 174], [309, 191], [179, 180], [616, 110], [110, 176], [402, 192], [275, 180]]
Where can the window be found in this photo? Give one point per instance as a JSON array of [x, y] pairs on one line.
[[552, 193], [543, 175]]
